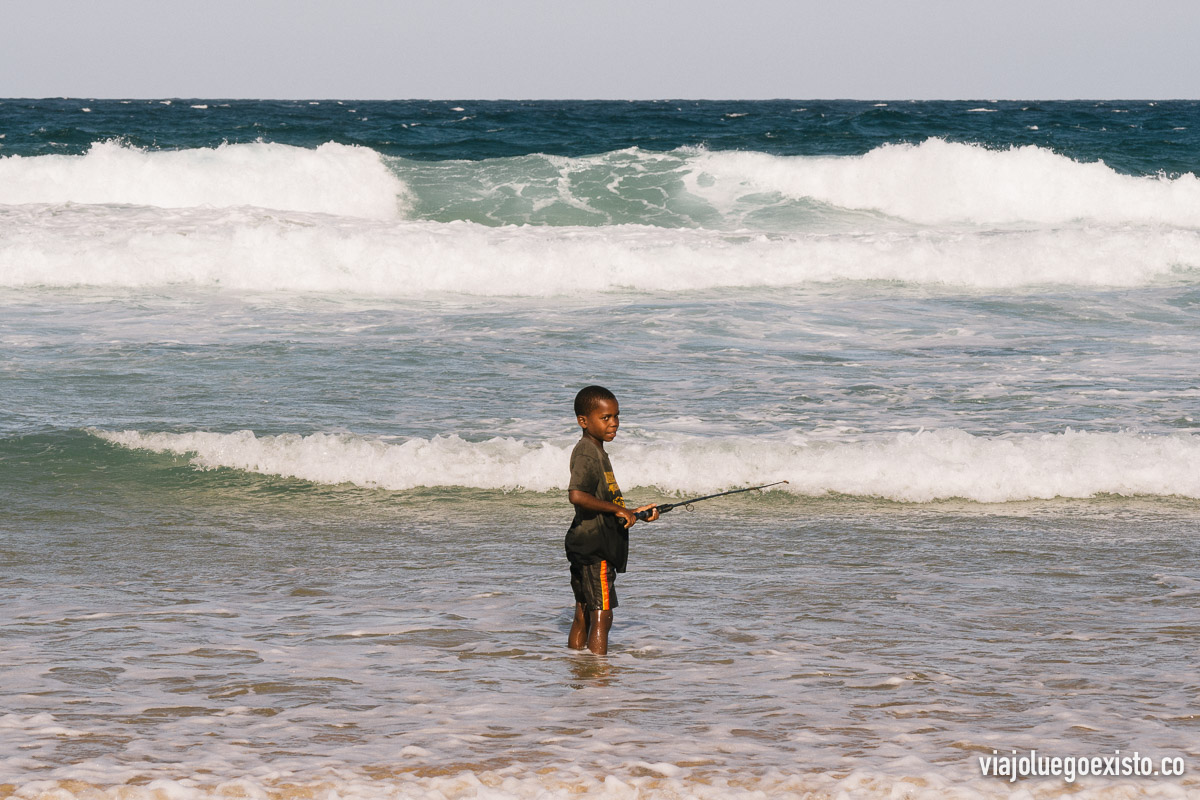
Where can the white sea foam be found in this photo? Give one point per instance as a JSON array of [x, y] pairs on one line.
[[935, 182], [254, 249], [918, 468], [516, 783], [269, 217], [332, 178], [932, 182], [939, 181]]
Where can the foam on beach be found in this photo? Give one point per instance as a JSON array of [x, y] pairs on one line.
[[652, 781]]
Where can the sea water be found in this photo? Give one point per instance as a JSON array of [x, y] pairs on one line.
[[285, 413]]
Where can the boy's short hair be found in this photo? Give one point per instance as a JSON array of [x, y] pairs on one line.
[[589, 397]]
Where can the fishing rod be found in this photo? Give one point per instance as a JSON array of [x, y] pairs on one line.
[[665, 507]]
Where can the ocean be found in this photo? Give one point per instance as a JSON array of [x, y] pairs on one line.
[[285, 414]]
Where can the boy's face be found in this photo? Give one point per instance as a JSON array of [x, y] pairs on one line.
[[602, 421]]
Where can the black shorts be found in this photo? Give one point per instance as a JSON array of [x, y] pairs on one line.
[[595, 586]]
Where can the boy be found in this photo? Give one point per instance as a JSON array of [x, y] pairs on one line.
[[598, 541]]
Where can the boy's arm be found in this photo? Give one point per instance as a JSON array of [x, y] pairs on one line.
[[590, 502]]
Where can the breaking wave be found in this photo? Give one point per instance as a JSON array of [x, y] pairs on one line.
[[271, 217], [935, 182], [939, 182], [913, 468], [332, 178]]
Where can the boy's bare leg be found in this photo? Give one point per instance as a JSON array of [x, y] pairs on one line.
[[579, 629], [597, 640]]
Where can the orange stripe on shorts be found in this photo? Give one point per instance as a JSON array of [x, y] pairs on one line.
[[604, 586]]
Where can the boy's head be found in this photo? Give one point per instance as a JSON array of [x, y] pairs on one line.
[[598, 414], [589, 396]]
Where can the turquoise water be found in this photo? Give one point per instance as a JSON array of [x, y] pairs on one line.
[[286, 411]]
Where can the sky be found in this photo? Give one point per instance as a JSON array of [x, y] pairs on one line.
[[619, 49]]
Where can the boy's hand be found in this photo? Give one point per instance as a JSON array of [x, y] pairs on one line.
[[652, 508], [589, 501]]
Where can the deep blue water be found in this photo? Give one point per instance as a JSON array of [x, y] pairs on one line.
[[1137, 137]]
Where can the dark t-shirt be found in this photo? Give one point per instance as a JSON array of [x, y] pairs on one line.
[[595, 536]]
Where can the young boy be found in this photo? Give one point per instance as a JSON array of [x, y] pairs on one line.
[[598, 541]]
